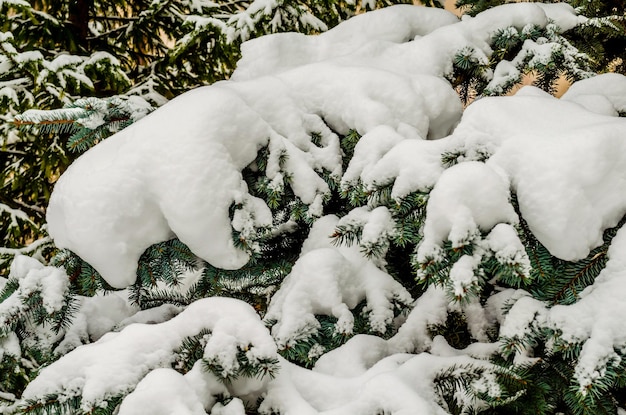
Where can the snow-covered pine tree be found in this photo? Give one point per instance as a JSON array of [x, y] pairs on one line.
[[132, 55], [602, 38], [417, 261]]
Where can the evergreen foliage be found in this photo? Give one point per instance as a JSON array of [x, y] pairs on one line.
[[108, 63], [39, 304], [602, 37], [515, 57]]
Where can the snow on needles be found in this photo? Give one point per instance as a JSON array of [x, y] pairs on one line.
[[178, 172], [331, 281], [113, 365]]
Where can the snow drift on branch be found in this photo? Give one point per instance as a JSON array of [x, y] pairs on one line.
[[178, 172]]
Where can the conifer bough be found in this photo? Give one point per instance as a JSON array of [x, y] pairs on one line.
[[405, 255]]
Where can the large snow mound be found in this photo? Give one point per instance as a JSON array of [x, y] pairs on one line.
[[177, 172]]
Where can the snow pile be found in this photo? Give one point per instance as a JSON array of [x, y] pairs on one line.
[[165, 391], [176, 395], [563, 163], [159, 178], [604, 94], [292, 99], [33, 277], [31, 289], [332, 281], [115, 364], [596, 320], [468, 198], [362, 33], [561, 160], [120, 220], [401, 383], [95, 317]]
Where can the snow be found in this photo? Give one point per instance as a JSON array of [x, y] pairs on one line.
[[51, 282], [370, 147], [273, 54], [504, 241], [396, 384], [430, 309], [10, 346], [63, 60], [593, 93], [463, 275], [118, 361], [467, 198], [219, 129], [95, 317], [175, 395], [133, 218], [234, 407], [178, 173], [596, 319], [237, 119], [331, 281], [563, 163]]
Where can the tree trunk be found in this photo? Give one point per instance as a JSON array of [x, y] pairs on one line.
[[79, 19]]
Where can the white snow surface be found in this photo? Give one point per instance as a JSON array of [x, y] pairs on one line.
[[51, 283], [365, 32], [175, 395], [95, 317], [595, 321], [467, 198], [597, 318], [562, 161], [177, 171], [595, 93], [331, 281], [564, 164], [118, 361], [397, 384]]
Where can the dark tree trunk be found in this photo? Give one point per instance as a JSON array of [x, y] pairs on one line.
[[79, 19]]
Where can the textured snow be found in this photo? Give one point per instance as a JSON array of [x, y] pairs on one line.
[[165, 391], [504, 241], [430, 309], [595, 321], [10, 346], [174, 396], [177, 172], [561, 160], [151, 181], [234, 407], [95, 317], [120, 217], [118, 361], [400, 383], [51, 282], [605, 93], [368, 32], [331, 281], [563, 163], [597, 318]]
